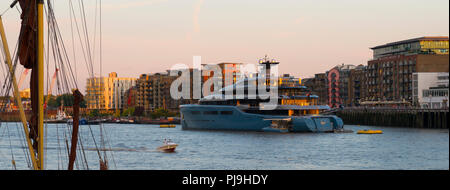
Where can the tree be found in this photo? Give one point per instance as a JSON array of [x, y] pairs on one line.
[[158, 113], [66, 98], [52, 103], [117, 114], [83, 104], [128, 112], [161, 112], [55, 101], [138, 111], [94, 113]]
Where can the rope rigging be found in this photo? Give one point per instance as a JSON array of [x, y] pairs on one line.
[[57, 56]]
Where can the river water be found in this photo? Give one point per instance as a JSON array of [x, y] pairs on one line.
[[133, 147]]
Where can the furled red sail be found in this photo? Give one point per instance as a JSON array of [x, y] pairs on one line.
[[28, 58], [28, 31]]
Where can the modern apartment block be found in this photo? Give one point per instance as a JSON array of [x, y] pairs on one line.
[[129, 98], [389, 73], [430, 89], [230, 73], [153, 92], [100, 91], [120, 88]]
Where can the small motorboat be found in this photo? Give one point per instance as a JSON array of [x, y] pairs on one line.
[[168, 146], [370, 132]]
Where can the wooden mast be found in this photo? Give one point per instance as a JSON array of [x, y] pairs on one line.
[[40, 86], [34, 13], [78, 97], [31, 55], [17, 96]]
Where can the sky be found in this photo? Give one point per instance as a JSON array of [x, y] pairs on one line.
[[305, 36]]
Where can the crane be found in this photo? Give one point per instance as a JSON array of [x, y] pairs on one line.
[[22, 77], [51, 87]]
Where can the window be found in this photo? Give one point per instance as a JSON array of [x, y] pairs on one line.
[[226, 112], [211, 113], [442, 77], [435, 92], [436, 105], [195, 112]]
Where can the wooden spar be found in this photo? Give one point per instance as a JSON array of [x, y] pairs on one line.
[[17, 96], [40, 89], [78, 97]]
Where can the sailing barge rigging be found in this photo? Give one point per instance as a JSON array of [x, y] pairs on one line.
[[30, 54]]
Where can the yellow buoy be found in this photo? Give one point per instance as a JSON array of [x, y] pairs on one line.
[[370, 132], [166, 126]]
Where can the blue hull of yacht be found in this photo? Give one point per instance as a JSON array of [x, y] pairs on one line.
[[218, 117]]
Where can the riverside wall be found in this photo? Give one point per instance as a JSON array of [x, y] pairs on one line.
[[412, 118]]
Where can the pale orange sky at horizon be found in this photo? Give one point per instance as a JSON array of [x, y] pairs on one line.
[[306, 37]]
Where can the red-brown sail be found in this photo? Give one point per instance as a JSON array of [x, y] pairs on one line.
[[28, 32], [27, 52]]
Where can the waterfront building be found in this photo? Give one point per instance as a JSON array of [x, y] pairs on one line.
[[430, 89], [431, 45], [338, 85], [357, 85], [192, 98], [292, 87], [129, 98], [9, 104], [318, 86], [25, 94], [153, 92], [230, 74], [100, 91], [120, 87], [308, 82], [343, 85], [389, 73], [287, 80], [295, 89]]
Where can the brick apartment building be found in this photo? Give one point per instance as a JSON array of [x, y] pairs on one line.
[[389, 74]]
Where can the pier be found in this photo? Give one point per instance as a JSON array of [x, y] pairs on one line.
[[398, 117]]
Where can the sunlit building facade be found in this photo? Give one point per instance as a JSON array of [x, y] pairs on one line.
[[100, 91]]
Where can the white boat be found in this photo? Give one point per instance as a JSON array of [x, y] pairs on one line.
[[168, 146]]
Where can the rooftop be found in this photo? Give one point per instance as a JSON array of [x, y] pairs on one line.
[[425, 38]]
